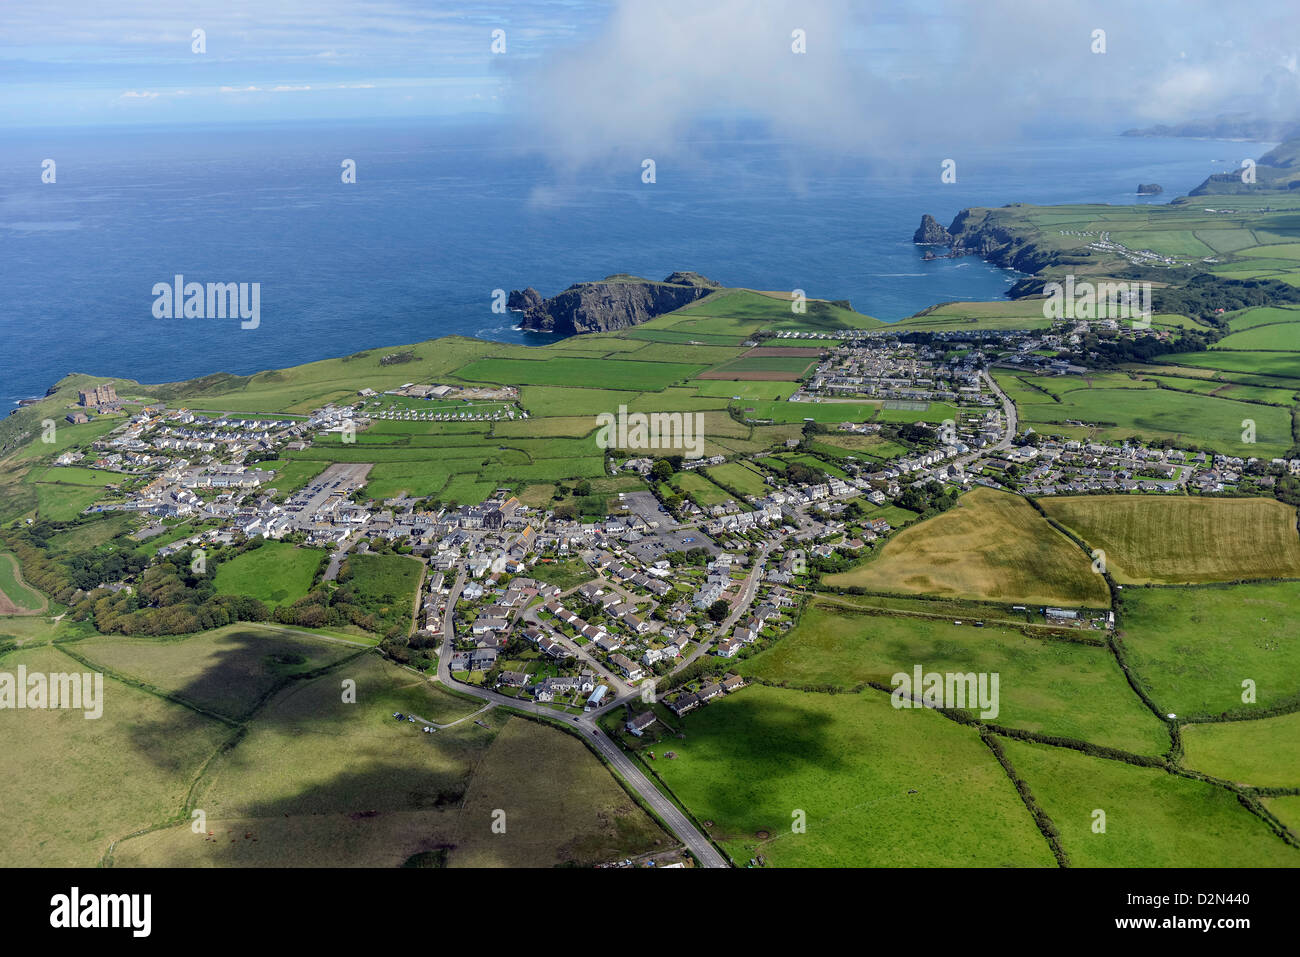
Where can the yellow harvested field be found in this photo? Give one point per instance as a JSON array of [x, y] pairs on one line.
[[1179, 540], [992, 546]]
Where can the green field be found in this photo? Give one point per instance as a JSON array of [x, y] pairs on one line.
[[1276, 364], [1117, 407], [1152, 818], [16, 596], [741, 477], [60, 502], [587, 373], [1287, 809], [778, 391], [1177, 540], [290, 476], [538, 776], [991, 546], [91, 533], [1280, 337], [848, 762], [227, 671], [744, 310], [77, 785], [759, 409], [1264, 753], [788, 367], [1262, 316], [385, 585], [1191, 648], [562, 574], [1048, 685], [872, 446], [320, 782], [700, 489], [275, 573]]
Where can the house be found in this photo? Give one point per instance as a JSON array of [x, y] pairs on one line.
[[548, 689], [513, 679], [709, 692], [482, 626], [732, 683], [728, 647], [631, 670], [683, 704], [550, 647], [609, 643], [481, 659], [642, 721]]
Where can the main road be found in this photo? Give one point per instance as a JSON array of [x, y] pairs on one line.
[[668, 812]]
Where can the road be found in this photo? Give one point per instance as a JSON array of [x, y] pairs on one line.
[[741, 606], [676, 821], [1008, 413], [337, 556]]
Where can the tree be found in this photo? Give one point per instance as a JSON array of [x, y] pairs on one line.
[[661, 471], [582, 489], [718, 610]]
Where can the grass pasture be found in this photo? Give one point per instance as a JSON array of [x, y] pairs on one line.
[[16, 596], [1046, 685], [991, 546], [741, 477], [1263, 753], [318, 782], [564, 575], [1149, 814], [1116, 407], [519, 775], [227, 671], [1181, 540], [700, 489], [77, 785], [276, 573], [1277, 337], [848, 762], [592, 373], [1191, 648], [385, 585]]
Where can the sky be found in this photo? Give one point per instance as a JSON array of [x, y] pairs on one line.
[[586, 80]]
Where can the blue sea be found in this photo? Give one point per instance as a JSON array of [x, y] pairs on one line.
[[442, 214]]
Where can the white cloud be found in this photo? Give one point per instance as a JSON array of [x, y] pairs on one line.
[[883, 79]]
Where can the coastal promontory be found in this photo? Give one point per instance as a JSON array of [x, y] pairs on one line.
[[614, 302]]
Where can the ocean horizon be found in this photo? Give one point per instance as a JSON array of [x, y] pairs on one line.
[[443, 214]]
